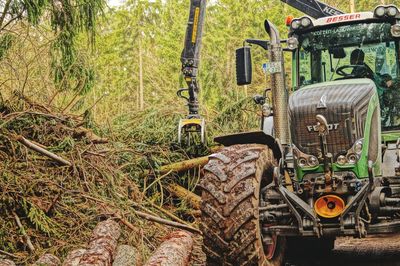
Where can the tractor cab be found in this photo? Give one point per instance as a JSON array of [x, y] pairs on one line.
[[351, 47]]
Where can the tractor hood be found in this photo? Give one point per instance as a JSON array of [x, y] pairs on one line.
[[344, 103]]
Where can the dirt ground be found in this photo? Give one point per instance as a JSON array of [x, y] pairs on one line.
[[371, 251]]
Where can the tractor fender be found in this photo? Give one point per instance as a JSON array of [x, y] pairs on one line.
[[255, 137]]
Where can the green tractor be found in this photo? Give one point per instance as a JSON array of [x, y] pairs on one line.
[[326, 163]]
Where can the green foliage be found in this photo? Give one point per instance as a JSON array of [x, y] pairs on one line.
[[67, 19], [40, 220], [6, 42]]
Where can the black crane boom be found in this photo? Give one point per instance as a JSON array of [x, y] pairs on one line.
[[313, 8]]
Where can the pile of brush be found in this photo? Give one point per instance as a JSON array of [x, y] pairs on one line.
[[58, 179], [60, 175]]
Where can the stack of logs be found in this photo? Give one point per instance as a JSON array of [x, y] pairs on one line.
[[103, 250]]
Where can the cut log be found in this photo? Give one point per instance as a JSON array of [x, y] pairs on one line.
[[47, 260], [102, 245], [174, 251], [179, 167], [6, 263], [185, 194], [74, 257], [127, 256]]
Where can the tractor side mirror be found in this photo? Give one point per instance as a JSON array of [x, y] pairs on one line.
[[243, 66]]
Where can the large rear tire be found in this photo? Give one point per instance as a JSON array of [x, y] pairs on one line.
[[230, 207]]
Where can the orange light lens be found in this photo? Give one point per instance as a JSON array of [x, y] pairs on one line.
[[329, 206], [289, 20]]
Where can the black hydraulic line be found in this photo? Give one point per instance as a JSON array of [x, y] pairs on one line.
[[313, 8], [191, 53]]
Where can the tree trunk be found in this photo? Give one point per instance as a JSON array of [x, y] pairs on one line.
[[102, 245], [352, 6], [174, 251], [141, 89], [127, 256]]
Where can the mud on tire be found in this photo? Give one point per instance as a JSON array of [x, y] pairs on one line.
[[230, 202]]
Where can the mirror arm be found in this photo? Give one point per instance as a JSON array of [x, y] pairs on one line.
[[263, 44]]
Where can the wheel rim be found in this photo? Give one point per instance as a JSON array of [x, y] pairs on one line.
[[269, 249]]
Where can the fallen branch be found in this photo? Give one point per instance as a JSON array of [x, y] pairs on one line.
[[174, 251], [26, 237], [179, 167], [2, 252], [180, 192], [167, 222], [167, 213], [81, 132], [42, 151]]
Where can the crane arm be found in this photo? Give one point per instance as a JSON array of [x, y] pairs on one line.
[[190, 60], [313, 8]]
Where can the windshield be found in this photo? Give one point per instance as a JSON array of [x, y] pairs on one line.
[[364, 50]]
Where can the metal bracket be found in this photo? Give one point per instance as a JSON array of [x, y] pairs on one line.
[[292, 200], [192, 125]]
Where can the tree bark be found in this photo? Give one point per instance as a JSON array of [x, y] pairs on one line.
[[48, 260], [127, 256], [141, 89], [174, 251], [102, 245], [180, 166], [6, 263], [185, 194], [74, 257], [352, 6]]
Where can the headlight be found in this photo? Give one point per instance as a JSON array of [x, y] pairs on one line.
[[352, 158], [357, 148], [313, 161], [292, 43], [379, 11], [395, 30], [305, 22], [386, 11], [342, 160], [301, 23], [391, 11], [302, 162], [296, 24]]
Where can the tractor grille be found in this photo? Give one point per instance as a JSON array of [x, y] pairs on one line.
[[344, 106]]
